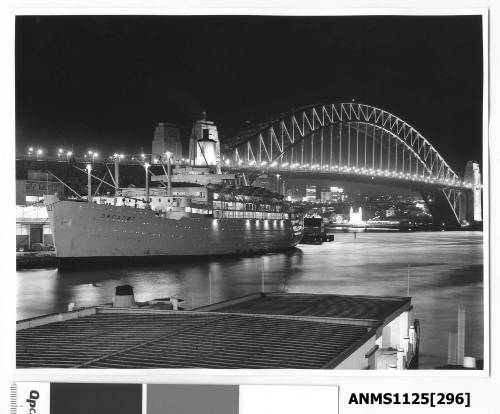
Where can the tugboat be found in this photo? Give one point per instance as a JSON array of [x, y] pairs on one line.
[[315, 232]]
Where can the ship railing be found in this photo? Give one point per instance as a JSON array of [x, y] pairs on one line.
[[255, 215]]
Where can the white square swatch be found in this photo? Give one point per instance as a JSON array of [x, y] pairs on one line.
[[289, 399]]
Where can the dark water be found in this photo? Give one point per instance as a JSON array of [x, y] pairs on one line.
[[446, 270]]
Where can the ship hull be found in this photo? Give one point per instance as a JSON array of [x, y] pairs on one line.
[[95, 233]]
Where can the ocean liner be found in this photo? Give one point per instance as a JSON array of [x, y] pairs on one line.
[[196, 211]]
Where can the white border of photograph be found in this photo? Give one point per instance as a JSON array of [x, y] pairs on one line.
[[428, 380]]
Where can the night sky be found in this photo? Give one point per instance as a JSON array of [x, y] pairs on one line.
[[105, 82]]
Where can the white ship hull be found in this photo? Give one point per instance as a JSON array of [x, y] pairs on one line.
[[87, 230]]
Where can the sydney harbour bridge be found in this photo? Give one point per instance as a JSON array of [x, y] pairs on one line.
[[341, 141], [357, 142]]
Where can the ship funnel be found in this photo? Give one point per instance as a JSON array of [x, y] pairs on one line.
[[124, 297]]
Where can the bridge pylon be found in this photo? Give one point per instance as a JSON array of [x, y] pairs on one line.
[[474, 197]]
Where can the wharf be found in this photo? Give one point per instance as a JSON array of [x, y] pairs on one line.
[[32, 260]]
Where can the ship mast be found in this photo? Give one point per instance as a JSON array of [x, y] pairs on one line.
[[89, 183], [169, 172], [117, 174], [146, 166]]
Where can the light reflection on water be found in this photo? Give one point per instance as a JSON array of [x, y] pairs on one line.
[[446, 270]]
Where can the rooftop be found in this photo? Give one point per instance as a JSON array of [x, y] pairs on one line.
[[256, 331], [316, 305]]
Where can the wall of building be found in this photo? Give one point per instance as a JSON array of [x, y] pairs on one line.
[[29, 233], [32, 226], [20, 192], [33, 189], [357, 359], [394, 332]]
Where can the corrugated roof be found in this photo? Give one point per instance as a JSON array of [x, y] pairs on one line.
[[141, 338], [317, 305]]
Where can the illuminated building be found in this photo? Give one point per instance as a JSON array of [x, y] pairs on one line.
[[335, 195], [166, 138], [310, 193], [355, 218]]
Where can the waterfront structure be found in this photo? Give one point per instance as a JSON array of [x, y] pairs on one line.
[[32, 222], [36, 183], [356, 218], [167, 138], [32, 227], [262, 330]]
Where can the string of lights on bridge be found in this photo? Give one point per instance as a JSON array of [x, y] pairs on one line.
[[37, 153], [317, 168]]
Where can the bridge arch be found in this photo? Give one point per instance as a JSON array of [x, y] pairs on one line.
[[399, 148]]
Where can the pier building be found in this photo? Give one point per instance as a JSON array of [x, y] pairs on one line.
[[258, 331], [32, 225]]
